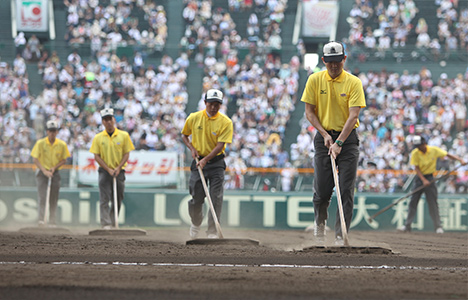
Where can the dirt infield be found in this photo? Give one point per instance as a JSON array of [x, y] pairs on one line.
[[161, 266]]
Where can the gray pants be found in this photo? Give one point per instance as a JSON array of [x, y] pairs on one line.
[[346, 163], [431, 198], [106, 195], [42, 183], [214, 177]]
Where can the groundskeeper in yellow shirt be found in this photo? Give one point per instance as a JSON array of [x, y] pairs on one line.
[[49, 155], [333, 97], [112, 149], [427, 162], [207, 132]]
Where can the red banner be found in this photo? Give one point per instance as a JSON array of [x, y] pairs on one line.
[[145, 168]]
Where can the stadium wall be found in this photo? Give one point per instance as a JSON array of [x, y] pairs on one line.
[[242, 209]]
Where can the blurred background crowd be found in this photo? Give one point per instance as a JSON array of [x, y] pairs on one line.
[[262, 86]]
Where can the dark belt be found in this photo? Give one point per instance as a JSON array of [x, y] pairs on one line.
[[334, 132], [102, 169], [214, 159]]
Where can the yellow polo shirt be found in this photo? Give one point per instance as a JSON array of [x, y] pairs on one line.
[[206, 132], [112, 149], [49, 155], [427, 161], [333, 97]]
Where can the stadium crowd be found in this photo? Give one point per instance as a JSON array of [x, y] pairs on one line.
[[388, 27], [116, 23], [263, 97], [261, 91]]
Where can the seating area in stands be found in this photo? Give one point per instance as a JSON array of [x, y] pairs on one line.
[[407, 30], [245, 58], [110, 24]]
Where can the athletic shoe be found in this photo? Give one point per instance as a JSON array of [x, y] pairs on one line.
[[339, 241], [319, 232], [41, 223], [403, 229], [439, 230], [194, 230], [107, 227], [212, 236], [52, 225]]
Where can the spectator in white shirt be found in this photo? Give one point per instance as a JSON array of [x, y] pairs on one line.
[[74, 58], [370, 41], [19, 65], [423, 40], [20, 42]]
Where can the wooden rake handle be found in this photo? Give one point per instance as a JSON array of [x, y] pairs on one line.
[[340, 204], [210, 203], [116, 204], [47, 204]]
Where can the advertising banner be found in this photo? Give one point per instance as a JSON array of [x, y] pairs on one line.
[[31, 15], [144, 168], [257, 210], [319, 18]]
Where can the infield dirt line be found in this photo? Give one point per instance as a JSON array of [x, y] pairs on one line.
[[232, 265]]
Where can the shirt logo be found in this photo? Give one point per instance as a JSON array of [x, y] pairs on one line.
[[214, 133], [343, 95], [323, 92], [200, 127]]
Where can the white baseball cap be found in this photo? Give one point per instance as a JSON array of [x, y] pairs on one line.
[[418, 141], [106, 112], [333, 51], [52, 125], [214, 95]]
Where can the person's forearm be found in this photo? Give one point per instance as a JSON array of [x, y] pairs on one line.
[[187, 142], [193, 151], [101, 162], [313, 119], [123, 161], [420, 174], [39, 165], [350, 123], [61, 163], [456, 157], [219, 146], [348, 127]]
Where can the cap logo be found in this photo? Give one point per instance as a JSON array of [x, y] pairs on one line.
[[52, 125], [332, 50], [213, 95]]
